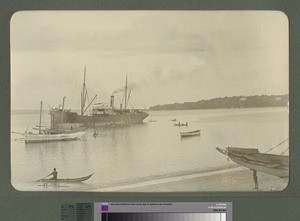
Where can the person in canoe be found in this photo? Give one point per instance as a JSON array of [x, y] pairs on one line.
[[54, 174]]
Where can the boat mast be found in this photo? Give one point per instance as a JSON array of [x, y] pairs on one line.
[[62, 112], [40, 124], [126, 93], [83, 93], [128, 96]]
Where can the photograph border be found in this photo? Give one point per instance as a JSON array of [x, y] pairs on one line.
[[51, 201]]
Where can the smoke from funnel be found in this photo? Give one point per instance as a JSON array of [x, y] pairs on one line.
[[130, 86], [117, 91]]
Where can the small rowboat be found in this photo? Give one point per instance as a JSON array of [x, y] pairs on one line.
[[190, 133], [67, 180], [180, 125]]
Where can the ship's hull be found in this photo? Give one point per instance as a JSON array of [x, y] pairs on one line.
[[72, 120]]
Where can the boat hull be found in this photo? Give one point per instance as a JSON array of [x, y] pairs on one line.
[[190, 133], [74, 120], [39, 138], [276, 165], [181, 125], [67, 180]]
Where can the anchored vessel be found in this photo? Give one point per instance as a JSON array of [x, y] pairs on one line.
[[102, 114], [40, 138], [47, 135]]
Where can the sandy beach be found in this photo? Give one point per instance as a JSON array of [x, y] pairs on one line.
[[231, 179]]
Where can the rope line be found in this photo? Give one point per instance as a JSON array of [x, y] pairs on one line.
[[71, 95], [282, 142], [285, 151]]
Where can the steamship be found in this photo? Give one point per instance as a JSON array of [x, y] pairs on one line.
[[102, 114]]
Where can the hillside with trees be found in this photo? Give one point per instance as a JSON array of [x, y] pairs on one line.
[[229, 102]]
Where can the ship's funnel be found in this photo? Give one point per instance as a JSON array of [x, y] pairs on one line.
[[112, 98]]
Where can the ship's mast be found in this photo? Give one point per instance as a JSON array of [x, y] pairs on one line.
[[62, 112], [126, 93], [128, 96], [40, 124], [83, 93]]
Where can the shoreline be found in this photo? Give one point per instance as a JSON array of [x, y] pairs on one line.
[[230, 179], [233, 179], [229, 108]]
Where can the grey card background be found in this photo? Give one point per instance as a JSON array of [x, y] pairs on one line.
[[15, 205]]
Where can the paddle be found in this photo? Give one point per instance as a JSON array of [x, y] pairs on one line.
[[37, 180], [41, 179]]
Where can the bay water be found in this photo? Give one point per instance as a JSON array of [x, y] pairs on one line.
[[127, 154]]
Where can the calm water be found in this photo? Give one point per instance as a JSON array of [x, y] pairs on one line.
[[119, 155]]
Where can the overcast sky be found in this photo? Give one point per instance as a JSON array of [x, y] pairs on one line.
[[170, 56]]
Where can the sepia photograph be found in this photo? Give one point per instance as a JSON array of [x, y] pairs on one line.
[[149, 101]]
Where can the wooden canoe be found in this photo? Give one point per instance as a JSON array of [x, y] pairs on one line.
[[67, 180], [272, 164], [190, 133]]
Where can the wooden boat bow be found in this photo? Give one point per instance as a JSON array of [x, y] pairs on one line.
[[272, 164]]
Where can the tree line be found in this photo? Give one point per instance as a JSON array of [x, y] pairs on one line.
[[229, 102]]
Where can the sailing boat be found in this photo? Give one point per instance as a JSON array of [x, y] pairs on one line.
[[277, 165], [47, 135]]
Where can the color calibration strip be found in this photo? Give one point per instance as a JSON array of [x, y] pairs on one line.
[[163, 217], [77, 212], [147, 211]]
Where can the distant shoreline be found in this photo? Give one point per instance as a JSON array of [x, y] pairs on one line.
[[235, 102], [244, 108]]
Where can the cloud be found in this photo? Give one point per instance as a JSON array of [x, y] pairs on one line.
[[193, 54]]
